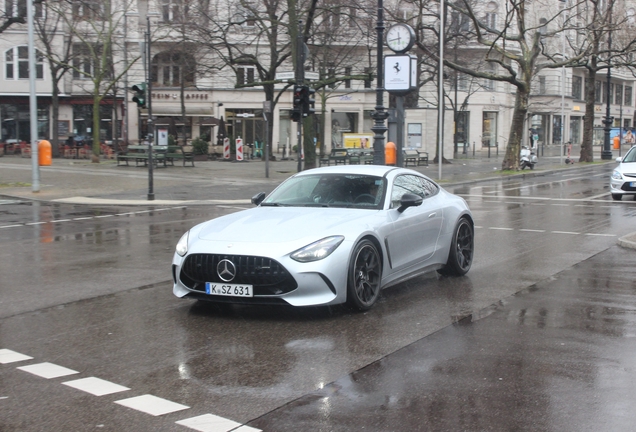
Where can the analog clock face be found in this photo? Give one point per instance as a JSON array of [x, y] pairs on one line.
[[400, 38]]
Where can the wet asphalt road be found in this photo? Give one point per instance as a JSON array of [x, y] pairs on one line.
[[538, 336]]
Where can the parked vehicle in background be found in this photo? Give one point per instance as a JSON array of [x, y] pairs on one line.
[[527, 158], [623, 180]]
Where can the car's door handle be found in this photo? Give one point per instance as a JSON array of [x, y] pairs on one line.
[[432, 215]]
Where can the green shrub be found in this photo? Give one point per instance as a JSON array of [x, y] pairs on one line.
[[200, 146]]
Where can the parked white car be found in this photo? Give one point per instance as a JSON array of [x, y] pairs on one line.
[[623, 180]]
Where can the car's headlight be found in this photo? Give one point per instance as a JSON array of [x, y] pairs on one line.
[[317, 250], [617, 176], [182, 244]]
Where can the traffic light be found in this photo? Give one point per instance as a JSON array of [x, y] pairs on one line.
[[308, 101], [298, 103], [140, 94]]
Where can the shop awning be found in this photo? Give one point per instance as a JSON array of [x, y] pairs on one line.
[[191, 111]]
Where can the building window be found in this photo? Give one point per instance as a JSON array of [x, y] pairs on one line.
[[347, 82], [331, 75], [543, 26], [628, 95], [542, 85], [491, 15], [174, 10], [89, 9], [618, 94], [246, 14], [245, 75], [83, 67], [577, 83], [168, 68], [17, 63], [369, 73], [18, 9], [598, 91], [460, 23]]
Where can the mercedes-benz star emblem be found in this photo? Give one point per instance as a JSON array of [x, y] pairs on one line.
[[226, 270]]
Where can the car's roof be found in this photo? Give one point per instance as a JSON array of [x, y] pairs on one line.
[[374, 170]]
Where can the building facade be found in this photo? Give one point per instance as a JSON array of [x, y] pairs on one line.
[[199, 86]]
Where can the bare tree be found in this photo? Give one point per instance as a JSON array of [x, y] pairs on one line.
[[57, 42], [514, 51], [96, 27]]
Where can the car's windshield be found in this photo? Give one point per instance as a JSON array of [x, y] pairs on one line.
[[630, 156], [329, 190]]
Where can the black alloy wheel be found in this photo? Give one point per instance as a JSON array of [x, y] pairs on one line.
[[460, 257], [365, 273]]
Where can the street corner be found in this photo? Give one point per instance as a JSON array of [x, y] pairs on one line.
[[628, 241]]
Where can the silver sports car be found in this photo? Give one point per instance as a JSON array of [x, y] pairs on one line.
[[326, 236]]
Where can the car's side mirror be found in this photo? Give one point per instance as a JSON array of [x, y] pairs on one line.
[[618, 159], [409, 200], [258, 198]]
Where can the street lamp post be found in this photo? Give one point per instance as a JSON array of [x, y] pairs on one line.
[[440, 103], [151, 131], [606, 153], [562, 87], [380, 114]]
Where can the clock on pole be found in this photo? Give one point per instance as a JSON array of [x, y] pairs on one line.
[[400, 38]]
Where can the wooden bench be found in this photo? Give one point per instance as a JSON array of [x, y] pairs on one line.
[[422, 158], [360, 156], [139, 154], [415, 157], [338, 156], [410, 157]]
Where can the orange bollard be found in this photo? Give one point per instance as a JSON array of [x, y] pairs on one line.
[[44, 153], [390, 153], [617, 143]]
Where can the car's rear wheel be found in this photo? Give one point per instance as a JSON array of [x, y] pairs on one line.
[[617, 197], [365, 273], [462, 249]]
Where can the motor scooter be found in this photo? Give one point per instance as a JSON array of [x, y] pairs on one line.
[[528, 158]]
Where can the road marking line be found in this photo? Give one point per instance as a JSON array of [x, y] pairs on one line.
[[48, 370], [601, 235], [152, 405], [531, 230], [34, 223], [8, 356], [213, 423], [501, 228], [83, 218], [11, 226], [565, 232], [96, 386]]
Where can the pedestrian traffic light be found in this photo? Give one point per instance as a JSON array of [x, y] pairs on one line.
[[140, 94], [308, 101], [298, 103]]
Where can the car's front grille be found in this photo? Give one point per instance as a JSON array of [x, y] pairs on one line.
[[627, 188], [267, 276]]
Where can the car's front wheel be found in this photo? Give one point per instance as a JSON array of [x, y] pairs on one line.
[[617, 197], [462, 249], [365, 273]]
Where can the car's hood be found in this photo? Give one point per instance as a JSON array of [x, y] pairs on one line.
[[285, 224]]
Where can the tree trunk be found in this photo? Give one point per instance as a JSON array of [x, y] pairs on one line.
[[96, 118], [309, 128], [587, 150], [511, 159], [55, 107]]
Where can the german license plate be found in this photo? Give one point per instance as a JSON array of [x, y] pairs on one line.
[[632, 184], [227, 289]]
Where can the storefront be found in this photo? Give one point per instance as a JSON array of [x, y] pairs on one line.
[[15, 119]]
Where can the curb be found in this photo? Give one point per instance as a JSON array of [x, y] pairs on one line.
[[628, 241]]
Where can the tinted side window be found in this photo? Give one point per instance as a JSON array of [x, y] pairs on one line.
[[411, 184]]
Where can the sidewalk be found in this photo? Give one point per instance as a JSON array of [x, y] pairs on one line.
[[213, 182]]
